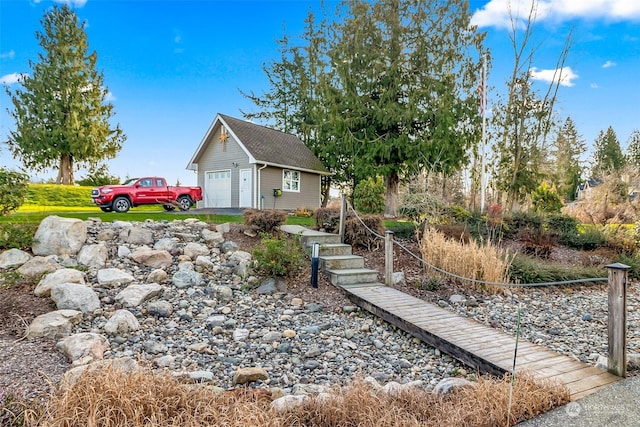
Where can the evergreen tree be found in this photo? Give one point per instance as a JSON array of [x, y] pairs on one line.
[[608, 157], [633, 149], [389, 90], [61, 113], [567, 171]]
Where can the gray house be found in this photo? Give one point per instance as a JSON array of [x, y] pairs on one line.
[[243, 165]]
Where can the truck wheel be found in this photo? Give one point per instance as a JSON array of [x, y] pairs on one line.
[[184, 202], [105, 209], [121, 204], [169, 208]]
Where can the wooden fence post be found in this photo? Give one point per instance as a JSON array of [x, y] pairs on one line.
[[343, 216], [617, 321], [388, 258]]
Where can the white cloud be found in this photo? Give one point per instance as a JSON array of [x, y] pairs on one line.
[[8, 55], [74, 3], [496, 12], [9, 79], [564, 75], [609, 64], [594, 86], [110, 97]]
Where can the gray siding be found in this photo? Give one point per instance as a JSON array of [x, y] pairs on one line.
[[309, 195], [220, 156]]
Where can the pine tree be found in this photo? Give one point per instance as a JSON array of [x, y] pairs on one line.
[[608, 157], [567, 171], [633, 149], [61, 112]]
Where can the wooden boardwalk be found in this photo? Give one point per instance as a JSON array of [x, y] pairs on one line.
[[481, 347]]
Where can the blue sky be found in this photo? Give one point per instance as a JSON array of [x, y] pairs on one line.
[[172, 65]]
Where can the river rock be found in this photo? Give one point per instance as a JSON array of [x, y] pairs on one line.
[[121, 323], [93, 255], [113, 277], [134, 295], [151, 257], [248, 375], [37, 266]]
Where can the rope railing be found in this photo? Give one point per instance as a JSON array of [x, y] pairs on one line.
[[467, 279]]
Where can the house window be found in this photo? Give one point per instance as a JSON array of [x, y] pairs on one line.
[[290, 180]]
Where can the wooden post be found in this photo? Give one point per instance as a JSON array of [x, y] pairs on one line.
[[617, 321], [343, 216], [388, 258]]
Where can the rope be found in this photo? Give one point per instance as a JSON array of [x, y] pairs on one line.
[[476, 281]]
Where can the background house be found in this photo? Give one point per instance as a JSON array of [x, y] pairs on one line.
[[243, 165]]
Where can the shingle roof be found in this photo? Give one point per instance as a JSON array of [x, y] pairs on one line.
[[273, 147]]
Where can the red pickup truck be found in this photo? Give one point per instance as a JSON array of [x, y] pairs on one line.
[[145, 191]]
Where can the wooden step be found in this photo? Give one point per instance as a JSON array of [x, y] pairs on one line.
[[338, 262], [352, 275]]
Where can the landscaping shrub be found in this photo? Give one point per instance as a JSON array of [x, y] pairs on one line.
[[454, 214], [328, 219], [546, 199], [620, 238], [539, 244], [402, 229], [13, 186], [266, 221], [587, 239], [17, 235], [358, 235], [563, 227], [478, 261], [368, 196], [525, 269], [518, 221], [58, 195], [279, 256], [632, 261]]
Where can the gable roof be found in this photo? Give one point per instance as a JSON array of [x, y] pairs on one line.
[[264, 145]]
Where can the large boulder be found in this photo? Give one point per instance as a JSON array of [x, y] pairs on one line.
[[137, 236], [12, 258], [73, 296], [55, 324], [114, 277], [63, 275], [59, 236]]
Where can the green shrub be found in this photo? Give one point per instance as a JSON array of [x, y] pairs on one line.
[[632, 261], [525, 269], [455, 214], [546, 199], [13, 186], [266, 221], [17, 235], [278, 256], [518, 221], [59, 195], [586, 240], [402, 229], [368, 196]]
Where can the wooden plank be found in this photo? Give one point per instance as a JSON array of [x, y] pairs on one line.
[[556, 368], [573, 375], [585, 393], [589, 383]]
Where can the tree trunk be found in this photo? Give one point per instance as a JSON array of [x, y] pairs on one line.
[[65, 170], [391, 183]]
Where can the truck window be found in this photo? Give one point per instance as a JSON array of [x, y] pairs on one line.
[[147, 182], [160, 182]]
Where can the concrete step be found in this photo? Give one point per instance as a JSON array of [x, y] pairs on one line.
[[337, 262], [323, 238], [350, 276], [329, 249]]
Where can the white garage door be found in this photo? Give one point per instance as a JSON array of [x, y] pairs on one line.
[[218, 189]]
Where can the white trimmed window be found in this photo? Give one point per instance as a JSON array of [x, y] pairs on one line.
[[290, 180]]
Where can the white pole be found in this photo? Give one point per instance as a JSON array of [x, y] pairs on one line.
[[483, 106]]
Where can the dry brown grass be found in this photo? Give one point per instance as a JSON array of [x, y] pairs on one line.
[[472, 260], [144, 398]]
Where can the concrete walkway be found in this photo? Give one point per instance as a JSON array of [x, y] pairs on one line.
[[616, 405]]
